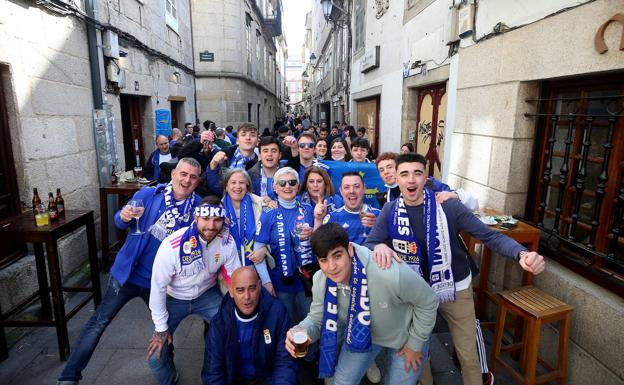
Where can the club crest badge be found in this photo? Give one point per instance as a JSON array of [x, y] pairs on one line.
[[193, 241], [217, 257], [186, 247], [267, 336]]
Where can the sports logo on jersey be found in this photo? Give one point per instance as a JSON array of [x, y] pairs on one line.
[[217, 257], [345, 225], [258, 227], [267, 336], [326, 219]]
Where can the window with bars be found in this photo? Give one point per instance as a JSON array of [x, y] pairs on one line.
[[577, 196]]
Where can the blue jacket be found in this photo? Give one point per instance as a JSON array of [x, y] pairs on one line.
[[152, 167], [272, 362], [138, 252]]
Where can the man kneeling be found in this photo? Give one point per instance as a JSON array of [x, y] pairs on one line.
[[370, 309], [245, 344]]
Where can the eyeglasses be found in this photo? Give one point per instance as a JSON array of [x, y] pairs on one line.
[[290, 182], [306, 145]]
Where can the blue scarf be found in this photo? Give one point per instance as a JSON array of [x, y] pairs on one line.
[[357, 333], [172, 219], [301, 249], [244, 230], [191, 251], [239, 161], [437, 240]]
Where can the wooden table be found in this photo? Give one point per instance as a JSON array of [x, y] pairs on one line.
[[124, 191], [524, 234], [21, 228]]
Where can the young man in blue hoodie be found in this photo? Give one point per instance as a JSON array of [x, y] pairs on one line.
[[168, 207]]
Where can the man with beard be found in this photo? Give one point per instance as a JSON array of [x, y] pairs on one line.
[[184, 280], [167, 208]]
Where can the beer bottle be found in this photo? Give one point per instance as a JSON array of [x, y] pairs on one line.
[[36, 201], [60, 203], [52, 207], [113, 176]]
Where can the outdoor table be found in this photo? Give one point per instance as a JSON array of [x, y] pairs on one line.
[[125, 191], [524, 234], [22, 228]]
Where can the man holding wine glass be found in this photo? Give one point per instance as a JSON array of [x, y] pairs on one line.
[[165, 208]]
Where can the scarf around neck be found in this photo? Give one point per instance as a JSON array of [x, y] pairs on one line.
[[239, 160], [358, 332], [289, 241], [172, 218], [242, 229], [437, 240]]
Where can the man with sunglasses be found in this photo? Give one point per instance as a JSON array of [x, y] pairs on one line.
[[303, 155]]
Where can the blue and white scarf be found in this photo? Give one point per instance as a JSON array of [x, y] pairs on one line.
[[172, 218], [239, 161], [357, 333], [302, 249], [243, 230], [191, 252], [437, 240], [265, 182]]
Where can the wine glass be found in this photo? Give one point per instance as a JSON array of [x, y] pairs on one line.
[[136, 205], [365, 212], [138, 172]]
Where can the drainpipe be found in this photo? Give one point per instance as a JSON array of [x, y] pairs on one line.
[[193, 61], [94, 61]]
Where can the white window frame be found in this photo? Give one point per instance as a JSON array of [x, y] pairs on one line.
[[171, 18]]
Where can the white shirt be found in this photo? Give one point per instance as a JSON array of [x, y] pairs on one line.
[[166, 270], [164, 158]]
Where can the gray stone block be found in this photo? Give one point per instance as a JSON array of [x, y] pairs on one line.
[[17, 282]]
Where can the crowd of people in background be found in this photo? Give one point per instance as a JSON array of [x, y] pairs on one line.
[[249, 230]]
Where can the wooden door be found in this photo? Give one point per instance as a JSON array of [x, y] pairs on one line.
[[430, 128], [9, 194], [368, 117], [132, 122]]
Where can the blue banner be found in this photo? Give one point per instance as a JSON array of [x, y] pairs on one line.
[[163, 122], [368, 171]]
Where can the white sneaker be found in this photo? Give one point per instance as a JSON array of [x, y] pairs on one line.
[[373, 373]]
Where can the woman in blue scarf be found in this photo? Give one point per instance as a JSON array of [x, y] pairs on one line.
[[243, 211], [317, 187], [285, 231]]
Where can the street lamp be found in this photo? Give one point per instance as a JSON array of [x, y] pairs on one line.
[[328, 6], [305, 75], [313, 59]]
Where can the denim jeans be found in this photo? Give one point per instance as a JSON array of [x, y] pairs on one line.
[[115, 298], [351, 366], [205, 306]]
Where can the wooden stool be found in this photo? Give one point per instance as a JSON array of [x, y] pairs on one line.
[[536, 308]]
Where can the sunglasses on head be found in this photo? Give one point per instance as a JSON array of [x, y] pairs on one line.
[[306, 145], [290, 182]]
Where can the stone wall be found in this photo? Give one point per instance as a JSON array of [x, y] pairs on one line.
[[45, 72], [491, 155]]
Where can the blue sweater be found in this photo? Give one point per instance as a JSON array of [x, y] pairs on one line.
[[135, 259], [272, 362], [459, 219]]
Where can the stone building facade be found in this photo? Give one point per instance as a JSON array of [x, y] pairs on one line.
[[48, 101], [244, 80], [479, 101]]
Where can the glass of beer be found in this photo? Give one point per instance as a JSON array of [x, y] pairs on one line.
[[42, 217], [301, 341], [136, 205]]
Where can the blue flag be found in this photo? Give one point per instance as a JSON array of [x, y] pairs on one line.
[[372, 179], [163, 122]]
